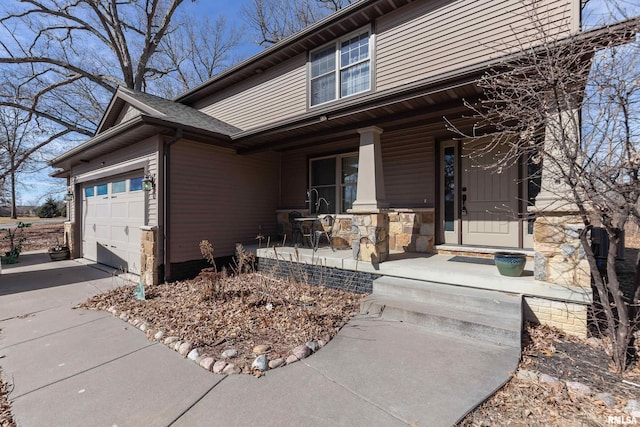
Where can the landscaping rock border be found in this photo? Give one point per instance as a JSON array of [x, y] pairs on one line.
[[630, 406], [222, 366]]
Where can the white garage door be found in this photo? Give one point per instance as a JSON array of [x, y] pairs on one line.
[[112, 214]]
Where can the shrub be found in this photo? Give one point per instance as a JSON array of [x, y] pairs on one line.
[[49, 209]]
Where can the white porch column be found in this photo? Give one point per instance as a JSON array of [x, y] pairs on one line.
[[562, 130], [370, 191], [559, 257]]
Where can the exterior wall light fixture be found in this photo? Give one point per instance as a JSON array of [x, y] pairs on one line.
[[149, 182], [69, 196]]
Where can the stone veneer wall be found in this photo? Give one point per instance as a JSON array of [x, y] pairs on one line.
[[335, 278], [372, 241], [343, 233], [560, 259], [559, 256], [69, 238], [412, 230], [149, 263], [570, 317]]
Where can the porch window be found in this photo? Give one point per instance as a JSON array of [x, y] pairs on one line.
[[341, 69], [335, 179], [534, 182], [449, 188]]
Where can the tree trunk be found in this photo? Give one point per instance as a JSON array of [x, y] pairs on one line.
[[14, 211]]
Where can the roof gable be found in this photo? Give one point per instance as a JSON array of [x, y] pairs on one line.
[[127, 104]]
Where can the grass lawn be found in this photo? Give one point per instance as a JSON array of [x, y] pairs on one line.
[[31, 219]]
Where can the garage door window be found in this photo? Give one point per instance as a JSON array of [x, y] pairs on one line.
[[119, 187], [136, 184], [103, 189], [88, 192]]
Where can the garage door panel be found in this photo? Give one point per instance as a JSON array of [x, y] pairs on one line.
[[103, 210], [136, 209], [135, 235], [103, 232], [119, 210], [111, 228]]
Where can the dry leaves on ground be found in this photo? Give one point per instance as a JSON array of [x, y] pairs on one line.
[[533, 403], [39, 236], [6, 419], [239, 312]]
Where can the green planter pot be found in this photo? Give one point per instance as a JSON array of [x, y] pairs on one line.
[[510, 264]]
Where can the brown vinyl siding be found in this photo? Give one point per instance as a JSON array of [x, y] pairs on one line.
[[421, 40], [427, 38], [408, 164], [409, 168], [275, 94], [127, 113], [146, 151], [295, 169], [219, 196]]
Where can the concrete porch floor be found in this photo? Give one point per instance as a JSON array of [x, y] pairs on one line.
[[458, 270]]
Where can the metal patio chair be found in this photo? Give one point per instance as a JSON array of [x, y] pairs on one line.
[[327, 231]]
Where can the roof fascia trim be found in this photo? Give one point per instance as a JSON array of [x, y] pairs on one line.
[[109, 133]]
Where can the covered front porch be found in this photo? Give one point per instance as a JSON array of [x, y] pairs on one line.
[[461, 268]]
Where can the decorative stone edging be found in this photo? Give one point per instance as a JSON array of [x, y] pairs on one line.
[[632, 406], [222, 366]]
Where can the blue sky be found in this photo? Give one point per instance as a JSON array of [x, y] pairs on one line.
[[36, 186]]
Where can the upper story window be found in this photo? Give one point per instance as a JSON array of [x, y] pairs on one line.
[[341, 69]]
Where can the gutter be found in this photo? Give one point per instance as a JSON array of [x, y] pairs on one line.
[[166, 195]]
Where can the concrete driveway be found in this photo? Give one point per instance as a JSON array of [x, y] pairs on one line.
[[75, 367]]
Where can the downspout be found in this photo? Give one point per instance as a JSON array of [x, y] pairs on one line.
[[166, 202]]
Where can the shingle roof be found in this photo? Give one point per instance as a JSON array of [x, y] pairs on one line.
[[178, 113]]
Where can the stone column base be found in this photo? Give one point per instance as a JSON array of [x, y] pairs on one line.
[[412, 230], [371, 244], [149, 265], [69, 238], [559, 256]]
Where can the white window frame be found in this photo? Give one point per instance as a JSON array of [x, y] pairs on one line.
[[339, 185], [338, 68]]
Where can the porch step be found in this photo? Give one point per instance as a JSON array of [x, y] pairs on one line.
[[480, 314]]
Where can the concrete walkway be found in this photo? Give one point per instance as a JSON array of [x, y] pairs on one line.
[[77, 368]]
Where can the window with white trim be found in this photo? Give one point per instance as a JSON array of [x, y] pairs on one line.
[[335, 179], [340, 69]]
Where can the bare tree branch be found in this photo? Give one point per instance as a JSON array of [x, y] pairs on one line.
[[274, 20], [590, 162]]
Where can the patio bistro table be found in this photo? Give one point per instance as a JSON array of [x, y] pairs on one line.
[[310, 222]]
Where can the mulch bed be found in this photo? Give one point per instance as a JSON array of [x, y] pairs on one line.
[[239, 312], [6, 418], [534, 403]]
